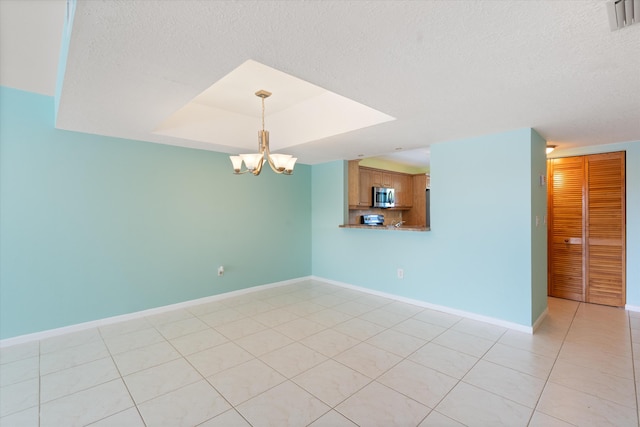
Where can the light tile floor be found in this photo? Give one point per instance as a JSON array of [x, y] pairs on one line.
[[320, 355]]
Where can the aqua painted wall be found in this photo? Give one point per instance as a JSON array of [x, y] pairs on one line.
[[93, 227], [538, 226], [632, 150], [479, 255]]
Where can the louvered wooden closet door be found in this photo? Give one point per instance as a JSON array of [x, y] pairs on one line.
[[566, 267], [606, 229], [586, 200]]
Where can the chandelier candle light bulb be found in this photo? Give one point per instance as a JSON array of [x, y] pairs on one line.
[[280, 163]]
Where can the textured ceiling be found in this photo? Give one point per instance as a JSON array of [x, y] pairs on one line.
[[444, 69], [30, 37]]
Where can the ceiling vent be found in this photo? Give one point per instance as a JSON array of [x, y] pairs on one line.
[[623, 13]]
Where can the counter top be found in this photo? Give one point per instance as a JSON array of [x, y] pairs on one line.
[[387, 227]]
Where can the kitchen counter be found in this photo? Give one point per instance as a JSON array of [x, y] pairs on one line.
[[386, 227]]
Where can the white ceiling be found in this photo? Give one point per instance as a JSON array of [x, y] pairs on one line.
[[444, 69], [299, 112], [30, 37]]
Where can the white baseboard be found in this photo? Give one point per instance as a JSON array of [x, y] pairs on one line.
[[539, 320], [21, 339], [631, 307], [445, 309]]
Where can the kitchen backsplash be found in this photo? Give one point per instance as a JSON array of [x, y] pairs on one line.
[[391, 217]]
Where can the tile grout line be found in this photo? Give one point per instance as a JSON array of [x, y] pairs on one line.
[[564, 337], [287, 379], [574, 321], [203, 378], [633, 365], [135, 405], [402, 359], [431, 341], [469, 370], [194, 368], [406, 358], [39, 385], [372, 380]]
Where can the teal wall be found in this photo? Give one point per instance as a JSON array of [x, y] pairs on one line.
[[478, 256], [632, 150], [538, 229], [92, 226]]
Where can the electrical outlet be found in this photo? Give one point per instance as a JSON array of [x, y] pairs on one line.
[[400, 273], [221, 271]]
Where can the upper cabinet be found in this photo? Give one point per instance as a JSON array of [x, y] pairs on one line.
[[354, 184], [403, 185], [366, 182], [379, 178], [359, 187], [363, 179]]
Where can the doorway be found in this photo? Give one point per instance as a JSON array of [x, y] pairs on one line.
[[587, 228]]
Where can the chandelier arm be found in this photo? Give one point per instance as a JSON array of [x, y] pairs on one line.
[[273, 166], [258, 168], [242, 172], [267, 153]]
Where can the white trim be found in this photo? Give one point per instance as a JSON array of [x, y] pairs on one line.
[[445, 309], [539, 320], [21, 339], [632, 307]]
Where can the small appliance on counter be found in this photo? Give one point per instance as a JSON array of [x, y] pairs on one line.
[[372, 219]]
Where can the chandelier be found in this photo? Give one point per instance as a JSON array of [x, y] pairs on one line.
[[280, 163]]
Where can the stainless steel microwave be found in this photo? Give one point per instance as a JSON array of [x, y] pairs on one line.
[[384, 197]]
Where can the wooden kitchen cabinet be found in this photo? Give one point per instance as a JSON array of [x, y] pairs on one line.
[[354, 183], [376, 177], [365, 184], [380, 178], [417, 215], [410, 196], [361, 180], [369, 177], [403, 184]]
